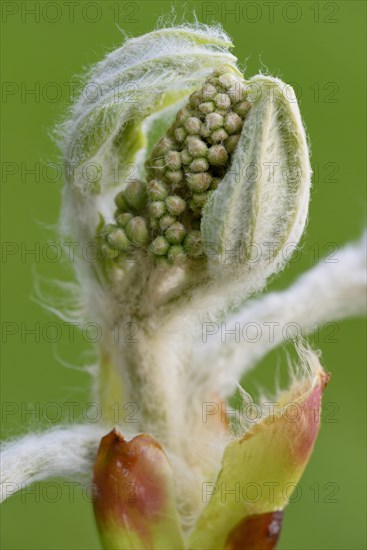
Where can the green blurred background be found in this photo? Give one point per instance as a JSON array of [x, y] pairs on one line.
[[317, 46]]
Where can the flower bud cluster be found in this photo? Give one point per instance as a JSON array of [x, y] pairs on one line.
[[183, 168], [131, 228], [190, 162]]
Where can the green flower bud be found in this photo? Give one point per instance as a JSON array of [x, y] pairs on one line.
[[222, 112], [121, 202], [204, 130], [231, 142], [218, 136], [107, 229], [199, 199], [176, 255], [180, 134], [157, 190], [157, 209], [232, 123], [215, 82], [219, 71], [175, 233], [214, 121], [222, 101], [158, 167], [123, 219], [195, 98], [135, 194], [208, 92], [228, 80], [159, 246], [154, 225], [237, 92], [199, 182], [173, 160], [109, 252], [117, 239], [199, 165], [217, 155], [207, 107], [166, 221], [174, 176], [193, 245], [242, 108], [175, 205], [192, 125], [165, 145], [137, 231], [182, 115], [196, 146], [186, 158], [195, 209]]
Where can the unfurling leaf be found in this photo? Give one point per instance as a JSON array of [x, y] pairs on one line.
[[258, 213], [261, 469]]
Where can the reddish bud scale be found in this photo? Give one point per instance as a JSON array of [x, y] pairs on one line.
[[257, 532], [133, 496], [303, 431]]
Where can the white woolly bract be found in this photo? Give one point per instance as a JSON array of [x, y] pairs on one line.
[[66, 452]]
